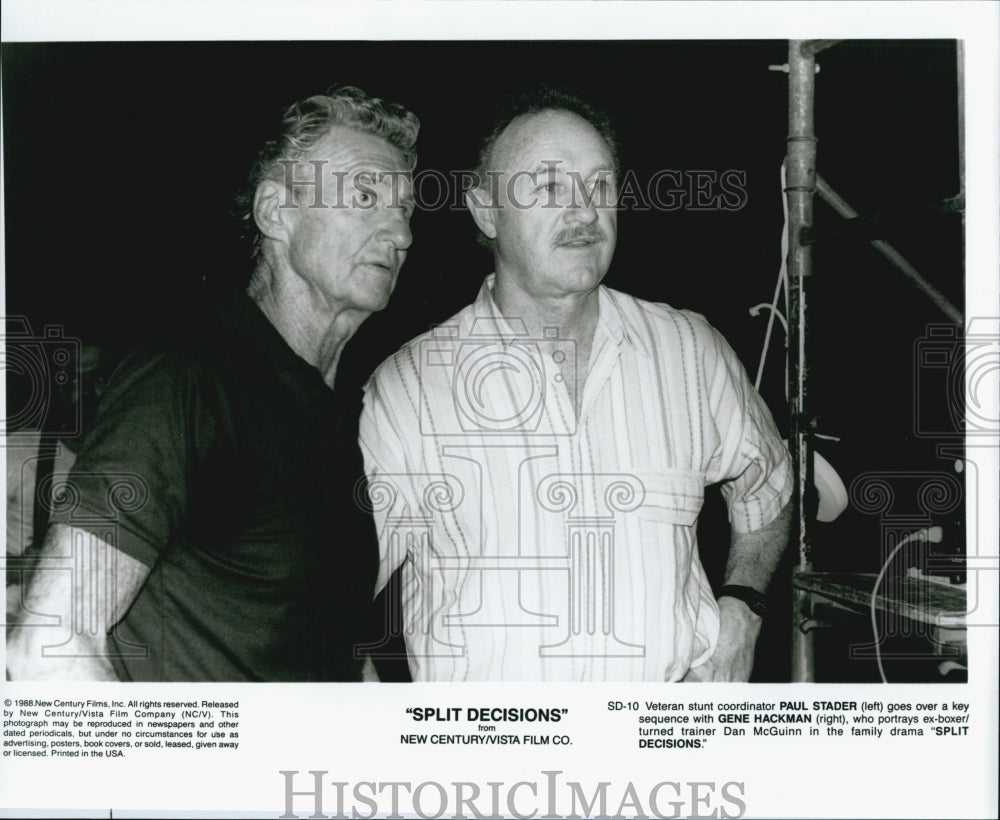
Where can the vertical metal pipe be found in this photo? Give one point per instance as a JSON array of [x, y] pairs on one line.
[[803, 658], [800, 178]]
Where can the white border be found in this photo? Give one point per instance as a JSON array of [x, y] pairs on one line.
[[311, 727], [81, 20]]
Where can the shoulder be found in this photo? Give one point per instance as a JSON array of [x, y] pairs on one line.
[[150, 370], [424, 360], [661, 325], [161, 360], [176, 367]]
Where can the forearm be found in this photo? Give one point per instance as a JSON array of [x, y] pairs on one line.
[[73, 599], [27, 657], [52, 642], [754, 556]]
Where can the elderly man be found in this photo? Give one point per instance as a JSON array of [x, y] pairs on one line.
[[537, 463], [209, 529]]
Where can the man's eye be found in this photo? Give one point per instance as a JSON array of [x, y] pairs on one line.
[[604, 190], [365, 198]]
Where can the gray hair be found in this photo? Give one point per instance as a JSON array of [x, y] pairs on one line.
[[306, 123]]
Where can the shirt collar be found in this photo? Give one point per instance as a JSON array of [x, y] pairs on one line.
[[618, 324], [486, 319], [487, 322]]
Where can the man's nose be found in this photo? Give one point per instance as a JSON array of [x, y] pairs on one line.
[[582, 211], [395, 229]]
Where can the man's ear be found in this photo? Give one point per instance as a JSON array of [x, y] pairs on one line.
[[483, 211], [271, 211]]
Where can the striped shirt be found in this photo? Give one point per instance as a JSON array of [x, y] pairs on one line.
[[539, 546]]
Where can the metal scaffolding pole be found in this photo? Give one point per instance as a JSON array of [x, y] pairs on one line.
[[800, 174], [802, 183]]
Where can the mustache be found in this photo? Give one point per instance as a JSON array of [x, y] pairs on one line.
[[586, 233]]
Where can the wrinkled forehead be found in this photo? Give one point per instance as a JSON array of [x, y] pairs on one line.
[[350, 158], [546, 138], [348, 149]]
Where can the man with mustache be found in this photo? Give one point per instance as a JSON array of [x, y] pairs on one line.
[[209, 529], [537, 463]]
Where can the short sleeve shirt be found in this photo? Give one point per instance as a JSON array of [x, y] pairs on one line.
[[224, 463]]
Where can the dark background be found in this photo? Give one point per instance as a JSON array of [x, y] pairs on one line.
[[121, 161]]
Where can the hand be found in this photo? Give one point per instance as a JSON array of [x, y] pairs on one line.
[[733, 656]]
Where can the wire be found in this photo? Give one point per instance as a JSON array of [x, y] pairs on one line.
[[780, 287], [756, 309], [932, 534]]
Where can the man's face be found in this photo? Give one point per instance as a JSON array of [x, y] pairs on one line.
[[556, 224], [349, 249]]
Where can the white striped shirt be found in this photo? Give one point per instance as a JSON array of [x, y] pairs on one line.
[[539, 547]]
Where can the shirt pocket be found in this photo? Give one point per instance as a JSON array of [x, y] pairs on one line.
[[671, 496]]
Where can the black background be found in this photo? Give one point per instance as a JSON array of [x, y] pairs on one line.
[[121, 161]]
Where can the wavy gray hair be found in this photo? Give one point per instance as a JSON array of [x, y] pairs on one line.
[[307, 122]]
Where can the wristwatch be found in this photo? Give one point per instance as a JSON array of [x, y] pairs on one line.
[[755, 600]]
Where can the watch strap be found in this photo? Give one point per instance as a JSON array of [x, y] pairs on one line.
[[756, 601]]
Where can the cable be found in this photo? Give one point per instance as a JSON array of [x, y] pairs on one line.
[[780, 288], [932, 534]]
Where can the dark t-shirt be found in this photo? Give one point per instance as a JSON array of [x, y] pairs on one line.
[[225, 464]]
